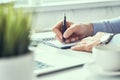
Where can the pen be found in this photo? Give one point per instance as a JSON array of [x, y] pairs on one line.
[[64, 27]]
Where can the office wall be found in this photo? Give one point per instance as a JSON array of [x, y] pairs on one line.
[[46, 20]]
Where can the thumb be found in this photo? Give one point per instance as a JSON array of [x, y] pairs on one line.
[[69, 31]]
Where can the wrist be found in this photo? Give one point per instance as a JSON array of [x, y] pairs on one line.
[[103, 38], [97, 37], [90, 29]]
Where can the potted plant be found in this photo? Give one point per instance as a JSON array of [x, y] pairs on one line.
[[16, 61]]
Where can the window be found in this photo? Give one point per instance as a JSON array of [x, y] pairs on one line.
[[55, 2], [28, 2], [51, 5]]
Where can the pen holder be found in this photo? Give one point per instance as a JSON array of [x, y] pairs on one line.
[[17, 68]]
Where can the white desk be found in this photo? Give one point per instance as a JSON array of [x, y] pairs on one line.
[[76, 74], [72, 74]]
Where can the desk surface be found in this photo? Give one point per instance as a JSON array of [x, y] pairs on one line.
[[76, 74], [72, 74], [63, 75]]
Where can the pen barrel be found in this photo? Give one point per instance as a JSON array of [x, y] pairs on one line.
[[64, 27]]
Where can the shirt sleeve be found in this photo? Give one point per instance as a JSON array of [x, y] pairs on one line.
[[109, 26]]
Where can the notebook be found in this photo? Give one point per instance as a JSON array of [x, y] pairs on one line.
[[48, 38]]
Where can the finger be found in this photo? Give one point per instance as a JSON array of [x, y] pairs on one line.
[[76, 38], [80, 47], [67, 41], [70, 40], [57, 28], [81, 43], [58, 33], [73, 39], [69, 31], [85, 46], [57, 37], [87, 39]]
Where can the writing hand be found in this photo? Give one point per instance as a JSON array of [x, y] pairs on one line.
[[74, 31]]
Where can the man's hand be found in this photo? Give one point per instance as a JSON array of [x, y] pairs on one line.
[[74, 32], [88, 43]]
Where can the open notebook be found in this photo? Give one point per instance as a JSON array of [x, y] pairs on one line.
[[48, 38]]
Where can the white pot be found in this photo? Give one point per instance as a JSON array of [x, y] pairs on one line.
[[17, 68]]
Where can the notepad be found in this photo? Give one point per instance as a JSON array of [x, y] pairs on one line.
[[57, 44], [48, 38]]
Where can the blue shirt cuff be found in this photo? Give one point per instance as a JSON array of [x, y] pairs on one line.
[[98, 27]]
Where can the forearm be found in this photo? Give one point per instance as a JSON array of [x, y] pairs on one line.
[[110, 26]]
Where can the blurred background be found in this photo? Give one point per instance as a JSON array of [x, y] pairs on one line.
[[46, 13]]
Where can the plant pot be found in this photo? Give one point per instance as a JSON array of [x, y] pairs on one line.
[[17, 68]]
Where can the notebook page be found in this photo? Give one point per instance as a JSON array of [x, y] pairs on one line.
[[57, 44], [48, 38], [42, 36]]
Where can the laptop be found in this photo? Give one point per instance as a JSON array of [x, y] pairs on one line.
[[50, 59]]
